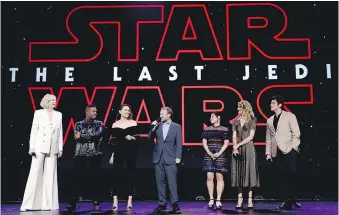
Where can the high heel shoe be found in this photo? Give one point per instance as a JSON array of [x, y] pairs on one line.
[[218, 206], [115, 206], [129, 207], [239, 207], [250, 207], [129, 204], [211, 204]]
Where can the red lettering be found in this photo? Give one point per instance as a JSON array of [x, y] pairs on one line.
[[251, 19], [69, 51], [143, 107], [67, 107], [205, 102], [138, 96], [145, 95], [294, 87], [184, 121], [200, 43], [246, 36], [184, 35]]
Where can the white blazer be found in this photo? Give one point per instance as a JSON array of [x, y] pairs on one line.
[[46, 135]]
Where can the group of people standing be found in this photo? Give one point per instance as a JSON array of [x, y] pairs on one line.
[[282, 146], [41, 193]]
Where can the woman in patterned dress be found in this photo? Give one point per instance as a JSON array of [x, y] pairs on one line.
[[245, 172], [215, 142]]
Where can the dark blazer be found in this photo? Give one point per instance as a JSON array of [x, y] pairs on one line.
[[171, 147]]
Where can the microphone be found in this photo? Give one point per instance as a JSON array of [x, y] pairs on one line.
[[155, 126]]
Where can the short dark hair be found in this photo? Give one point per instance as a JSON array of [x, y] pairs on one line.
[[89, 106], [168, 109], [216, 113], [279, 99]]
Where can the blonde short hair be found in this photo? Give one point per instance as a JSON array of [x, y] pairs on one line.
[[46, 99]]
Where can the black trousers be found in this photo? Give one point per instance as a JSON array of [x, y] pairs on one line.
[[85, 178], [124, 167], [287, 169]]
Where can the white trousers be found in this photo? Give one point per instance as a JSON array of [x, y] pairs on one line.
[[41, 191]]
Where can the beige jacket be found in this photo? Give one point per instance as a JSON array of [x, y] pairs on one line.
[[287, 136]]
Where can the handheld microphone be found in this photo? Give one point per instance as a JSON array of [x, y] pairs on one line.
[[155, 126]]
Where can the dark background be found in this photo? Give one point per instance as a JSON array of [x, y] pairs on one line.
[[26, 22]]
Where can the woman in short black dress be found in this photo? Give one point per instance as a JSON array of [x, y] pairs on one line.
[[215, 142]]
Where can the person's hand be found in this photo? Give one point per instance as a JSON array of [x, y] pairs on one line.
[[177, 160], [235, 146], [268, 157], [32, 152], [297, 150], [76, 135], [211, 155], [155, 122], [235, 151], [59, 153], [129, 137], [112, 159]]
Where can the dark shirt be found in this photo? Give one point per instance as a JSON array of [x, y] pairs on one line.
[[91, 135], [276, 120]]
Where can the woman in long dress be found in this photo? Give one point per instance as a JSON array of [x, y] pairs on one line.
[[215, 142], [245, 172], [45, 145]]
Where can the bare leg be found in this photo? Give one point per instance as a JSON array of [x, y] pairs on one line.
[[129, 203], [240, 198], [220, 188], [250, 203], [115, 203], [210, 187]]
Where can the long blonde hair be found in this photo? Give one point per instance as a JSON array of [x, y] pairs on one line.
[[247, 111]]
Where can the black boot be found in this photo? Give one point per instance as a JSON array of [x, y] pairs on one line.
[[71, 207], [287, 205], [96, 206], [296, 203]]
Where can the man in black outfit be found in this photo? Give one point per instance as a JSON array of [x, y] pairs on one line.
[[87, 159]]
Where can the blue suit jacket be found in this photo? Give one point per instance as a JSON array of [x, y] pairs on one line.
[[170, 147]]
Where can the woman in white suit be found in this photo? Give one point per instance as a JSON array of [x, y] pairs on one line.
[[45, 145]]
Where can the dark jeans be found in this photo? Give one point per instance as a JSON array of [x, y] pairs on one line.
[[287, 167], [85, 178]]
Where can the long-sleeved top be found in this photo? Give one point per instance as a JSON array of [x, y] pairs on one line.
[[91, 135]]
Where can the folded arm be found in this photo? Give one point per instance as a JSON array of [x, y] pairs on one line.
[[95, 135]]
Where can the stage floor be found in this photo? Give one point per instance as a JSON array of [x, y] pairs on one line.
[[187, 208]]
